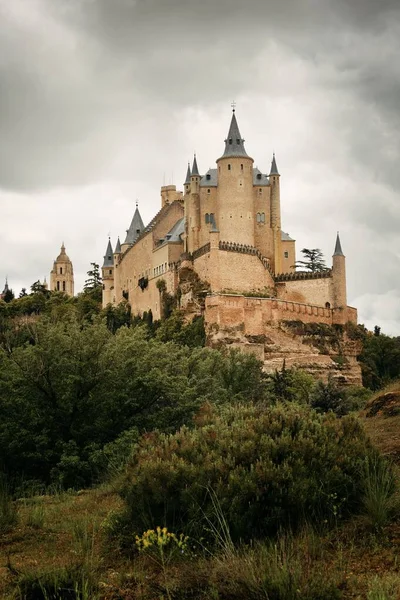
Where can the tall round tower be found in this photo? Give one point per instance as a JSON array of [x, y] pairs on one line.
[[235, 212], [62, 274], [108, 275], [339, 276]]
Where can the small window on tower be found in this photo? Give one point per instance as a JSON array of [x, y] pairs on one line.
[[208, 191], [207, 218], [258, 218], [58, 286], [230, 140], [262, 217], [63, 286], [241, 167], [60, 270], [208, 176], [229, 167], [110, 272], [286, 254]]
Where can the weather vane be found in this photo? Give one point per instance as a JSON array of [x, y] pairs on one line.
[[233, 106]]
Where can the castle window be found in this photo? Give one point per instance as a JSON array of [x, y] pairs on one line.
[[110, 272], [230, 140], [241, 167], [327, 305], [208, 176], [63, 286], [58, 286], [262, 217], [237, 140], [207, 218], [60, 270], [260, 191], [208, 191], [258, 175], [286, 254], [229, 167], [258, 218]]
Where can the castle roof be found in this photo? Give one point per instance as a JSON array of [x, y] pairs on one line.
[[234, 143], [210, 179], [274, 168], [118, 247], [135, 229], [108, 258], [195, 170], [63, 257], [6, 288], [285, 237], [188, 173], [174, 234], [338, 247]]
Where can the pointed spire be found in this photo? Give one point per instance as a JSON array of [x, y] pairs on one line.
[[136, 227], [274, 168], [108, 258], [118, 247], [188, 174], [338, 247], [234, 143], [195, 170]]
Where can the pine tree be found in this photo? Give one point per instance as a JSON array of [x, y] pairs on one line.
[[94, 278], [314, 260]]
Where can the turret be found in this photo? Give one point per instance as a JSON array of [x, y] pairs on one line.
[[107, 271], [135, 229], [274, 178], [192, 209], [186, 185], [339, 276], [235, 214]]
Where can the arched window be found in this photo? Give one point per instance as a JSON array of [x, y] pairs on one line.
[[207, 218], [241, 167], [327, 304], [229, 167], [262, 217], [63, 286], [258, 218], [58, 286], [60, 270]]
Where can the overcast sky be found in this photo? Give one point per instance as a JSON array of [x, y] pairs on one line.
[[102, 101]]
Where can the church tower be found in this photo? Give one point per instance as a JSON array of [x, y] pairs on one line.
[[62, 274], [235, 216]]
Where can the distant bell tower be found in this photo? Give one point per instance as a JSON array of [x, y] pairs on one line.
[[62, 274]]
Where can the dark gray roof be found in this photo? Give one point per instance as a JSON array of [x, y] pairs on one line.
[[210, 179], [108, 258], [285, 237], [259, 178], [338, 247], [274, 168], [6, 288], [187, 180], [135, 228], [195, 170], [118, 247], [174, 234], [234, 143]]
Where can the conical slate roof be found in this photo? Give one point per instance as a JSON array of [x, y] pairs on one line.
[[118, 247], [108, 258], [234, 143], [274, 168], [195, 170], [338, 247], [187, 180], [135, 229]]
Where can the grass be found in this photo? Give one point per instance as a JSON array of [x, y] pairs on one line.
[[8, 510]]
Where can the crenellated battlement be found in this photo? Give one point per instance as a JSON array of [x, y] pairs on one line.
[[302, 275]]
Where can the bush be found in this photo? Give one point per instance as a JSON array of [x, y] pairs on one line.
[[8, 511], [269, 468], [379, 486]]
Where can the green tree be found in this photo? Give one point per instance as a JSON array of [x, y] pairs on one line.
[[313, 260], [39, 288], [8, 296], [23, 293]]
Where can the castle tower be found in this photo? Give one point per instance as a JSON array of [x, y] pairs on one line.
[[62, 274], [186, 185], [135, 229], [107, 272], [192, 209], [274, 178], [339, 276], [235, 213]]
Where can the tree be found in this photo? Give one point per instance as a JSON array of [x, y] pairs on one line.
[[39, 288], [314, 260], [23, 293], [94, 278], [9, 295]]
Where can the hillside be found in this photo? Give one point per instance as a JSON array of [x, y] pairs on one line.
[[61, 539]]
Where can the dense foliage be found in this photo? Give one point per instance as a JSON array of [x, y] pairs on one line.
[[261, 468]]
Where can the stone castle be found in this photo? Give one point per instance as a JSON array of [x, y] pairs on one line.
[[219, 248]]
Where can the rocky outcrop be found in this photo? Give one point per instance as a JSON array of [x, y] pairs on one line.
[[319, 349]]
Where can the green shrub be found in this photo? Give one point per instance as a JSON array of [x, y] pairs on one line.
[[268, 467], [74, 582], [379, 486]]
